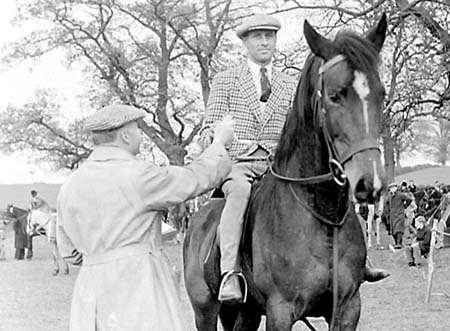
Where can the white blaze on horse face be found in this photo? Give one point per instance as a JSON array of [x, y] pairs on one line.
[[361, 86]]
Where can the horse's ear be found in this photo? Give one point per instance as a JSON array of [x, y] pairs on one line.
[[378, 34], [319, 45]]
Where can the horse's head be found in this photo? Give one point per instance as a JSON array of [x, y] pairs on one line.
[[348, 101]]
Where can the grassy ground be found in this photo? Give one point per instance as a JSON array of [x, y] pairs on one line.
[[31, 299]]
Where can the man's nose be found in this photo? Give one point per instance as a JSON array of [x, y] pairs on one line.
[[264, 40]]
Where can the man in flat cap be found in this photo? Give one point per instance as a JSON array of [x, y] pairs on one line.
[[109, 221], [394, 205], [258, 97]]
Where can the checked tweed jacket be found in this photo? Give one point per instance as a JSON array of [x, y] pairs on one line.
[[234, 92]]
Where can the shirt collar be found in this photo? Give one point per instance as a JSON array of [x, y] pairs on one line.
[[103, 153], [255, 70]]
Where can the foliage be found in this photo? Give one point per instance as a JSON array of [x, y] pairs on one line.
[[415, 62], [35, 126], [160, 56]]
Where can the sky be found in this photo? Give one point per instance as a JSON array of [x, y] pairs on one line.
[[18, 83]]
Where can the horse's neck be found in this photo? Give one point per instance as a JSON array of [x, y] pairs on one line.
[[308, 159]]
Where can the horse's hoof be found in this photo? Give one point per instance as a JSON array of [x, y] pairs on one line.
[[55, 272], [66, 271]]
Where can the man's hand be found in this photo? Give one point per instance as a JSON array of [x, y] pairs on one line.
[[224, 132]]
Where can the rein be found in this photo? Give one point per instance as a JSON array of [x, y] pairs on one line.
[[336, 173]]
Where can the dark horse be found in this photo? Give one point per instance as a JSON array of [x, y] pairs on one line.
[[303, 251]]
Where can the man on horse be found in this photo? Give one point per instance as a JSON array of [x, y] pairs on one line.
[[259, 98], [38, 203]]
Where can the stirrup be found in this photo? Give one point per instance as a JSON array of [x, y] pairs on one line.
[[239, 274]]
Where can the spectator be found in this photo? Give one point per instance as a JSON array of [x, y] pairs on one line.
[[412, 186], [395, 207], [38, 203], [3, 224], [421, 247]]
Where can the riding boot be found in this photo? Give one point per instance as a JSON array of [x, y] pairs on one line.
[[374, 275]]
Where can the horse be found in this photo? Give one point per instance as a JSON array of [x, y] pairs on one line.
[[44, 224], [22, 239], [302, 250]]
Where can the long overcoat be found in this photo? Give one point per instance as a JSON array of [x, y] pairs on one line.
[[396, 204], [109, 216]]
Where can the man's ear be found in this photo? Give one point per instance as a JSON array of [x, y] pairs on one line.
[[124, 134]]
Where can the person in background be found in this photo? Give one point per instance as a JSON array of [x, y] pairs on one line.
[[38, 203], [109, 221], [421, 247], [395, 205], [412, 186], [3, 223]]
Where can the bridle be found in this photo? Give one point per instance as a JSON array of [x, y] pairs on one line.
[[336, 173], [336, 160]]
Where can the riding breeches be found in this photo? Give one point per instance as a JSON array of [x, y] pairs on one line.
[[237, 189]]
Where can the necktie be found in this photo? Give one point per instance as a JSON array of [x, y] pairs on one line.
[[265, 85]]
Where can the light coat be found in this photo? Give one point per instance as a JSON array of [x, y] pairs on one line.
[[109, 214]]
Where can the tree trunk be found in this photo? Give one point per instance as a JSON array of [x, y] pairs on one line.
[[389, 155]]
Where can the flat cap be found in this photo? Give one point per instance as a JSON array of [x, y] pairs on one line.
[[258, 22], [112, 117], [392, 184]]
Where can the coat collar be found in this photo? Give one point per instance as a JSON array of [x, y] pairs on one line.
[[105, 152]]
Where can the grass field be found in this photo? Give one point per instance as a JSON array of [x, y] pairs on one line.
[[31, 299]]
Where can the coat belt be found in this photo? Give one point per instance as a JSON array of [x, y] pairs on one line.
[[116, 254]]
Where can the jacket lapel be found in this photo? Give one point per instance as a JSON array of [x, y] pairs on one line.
[[248, 90]]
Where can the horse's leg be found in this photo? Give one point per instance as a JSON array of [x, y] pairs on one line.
[[206, 315], [279, 314], [377, 225], [55, 258], [59, 258], [369, 232], [349, 314], [228, 316], [247, 319], [205, 305]]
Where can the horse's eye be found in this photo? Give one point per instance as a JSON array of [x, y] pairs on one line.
[[334, 97]]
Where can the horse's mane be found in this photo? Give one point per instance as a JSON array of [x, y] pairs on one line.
[[360, 54]]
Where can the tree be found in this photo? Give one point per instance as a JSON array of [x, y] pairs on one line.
[[145, 53], [415, 60], [34, 126]]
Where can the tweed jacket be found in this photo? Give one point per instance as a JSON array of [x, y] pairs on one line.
[[234, 92]]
